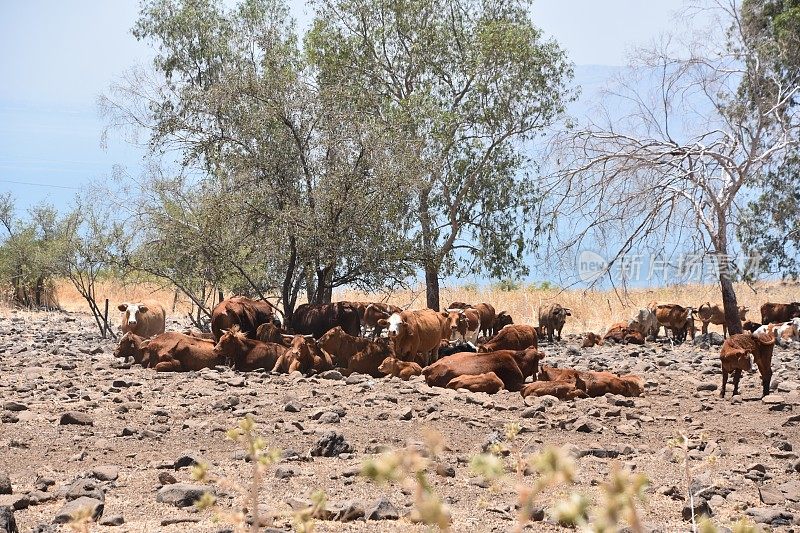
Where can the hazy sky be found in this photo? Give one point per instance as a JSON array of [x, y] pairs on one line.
[[58, 56]]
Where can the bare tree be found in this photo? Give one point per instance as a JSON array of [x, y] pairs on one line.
[[676, 146]]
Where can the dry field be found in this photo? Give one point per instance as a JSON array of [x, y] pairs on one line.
[[591, 310]]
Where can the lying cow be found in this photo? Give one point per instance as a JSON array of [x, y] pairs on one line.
[[774, 312], [391, 366], [145, 319], [715, 314], [749, 325], [488, 383], [416, 332], [591, 339], [562, 390], [245, 354], [303, 355], [269, 332], [620, 333], [340, 346], [512, 367], [737, 354], [368, 360], [592, 384], [243, 312], [168, 352], [513, 337], [552, 318]]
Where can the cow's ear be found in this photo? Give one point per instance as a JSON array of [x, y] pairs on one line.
[[444, 314], [383, 322], [142, 308], [122, 307]]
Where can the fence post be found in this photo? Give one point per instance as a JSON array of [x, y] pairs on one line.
[[105, 320]]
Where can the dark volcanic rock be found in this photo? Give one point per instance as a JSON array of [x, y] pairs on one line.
[[7, 522], [65, 514], [330, 445], [182, 494], [382, 509], [5, 483], [76, 418]]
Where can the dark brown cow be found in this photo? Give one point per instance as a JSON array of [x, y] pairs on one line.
[[340, 346], [368, 360], [552, 318], [269, 332], [591, 339], [303, 355], [512, 367], [502, 320], [391, 366], [170, 351], [487, 313], [246, 354], [243, 312], [513, 337], [678, 319], [488, 383], [317, 319], [715, 314], [774, 312], [736, 353], [750, 326], [417, 332]]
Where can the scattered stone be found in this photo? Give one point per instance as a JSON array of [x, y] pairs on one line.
[[84, 488], [283, 472], [331, 444], [5, 484], [707, 386], [347, 511], [76, 418], [113, 520], [332, 374], [15, 501], [184, 520], [106, 473], [382, 509], [65, 514], [701, 507], [182, 494], [406, 413], [773, 399], [770, 495], [187, 459], [329, 417], [587, 425], [165, 478], [773, 517], [293, 406], [15, 406]]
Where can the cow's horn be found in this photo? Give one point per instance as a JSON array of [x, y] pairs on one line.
[[308, 336], [285, 336]]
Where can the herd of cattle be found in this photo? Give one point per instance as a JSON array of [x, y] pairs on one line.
[[465, 346]]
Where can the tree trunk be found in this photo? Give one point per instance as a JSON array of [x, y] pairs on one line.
[[432, 286], [729, 303], [324, 291]]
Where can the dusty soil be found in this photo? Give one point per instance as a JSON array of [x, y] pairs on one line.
[[143, 423]]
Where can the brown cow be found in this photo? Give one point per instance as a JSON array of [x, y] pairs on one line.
[[391, 366], [750, 326], [679, 320], [488, 383], [502, 320], [303, 355], [245, 354], [616, 332], [340, 346], [512, 367], [736, 353], [487, 314], [552, 318], [601, 383], [513, 337], [562, 390], [144, 319], [189, 353], [368, 360], [464, 322], [317, 319], [552, 373], [269, 332], [243, 312], [715, 314], [134, 346], [416, 332], [591, 339], [774, 312]]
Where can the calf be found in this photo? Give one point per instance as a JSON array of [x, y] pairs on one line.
[[601, 383], [715, 314], [303, 355], [513, 337], [488, 383], [750, 326], [560, 389], [552, 318], [144, 319], [773, 312], [551, 373], [245, 354], [591, 339], [621, 334], [512, 367], [736, 353], [391, 366]]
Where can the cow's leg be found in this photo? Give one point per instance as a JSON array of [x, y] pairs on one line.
[[765, 369], [724, 330], [705, 327], [737, 375], [169, 366], [724, 382]]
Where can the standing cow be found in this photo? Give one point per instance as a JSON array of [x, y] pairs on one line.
[[144, 319], [243, 312], [552, 318], [317, 319], [416, 332], [678, 319], [465, 322], [373, 312], [715, 314], [772, 312]]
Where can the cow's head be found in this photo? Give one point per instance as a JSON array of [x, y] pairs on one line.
[[387, 366], [567, 311], [454, 317], [131, 345], [231, 343], [743, 309], [301, 352], [395, 325], [133, 312]]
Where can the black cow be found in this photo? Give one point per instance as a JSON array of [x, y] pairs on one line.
[[317, 319]]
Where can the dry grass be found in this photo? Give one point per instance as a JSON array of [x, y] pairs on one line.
[[591, 310]]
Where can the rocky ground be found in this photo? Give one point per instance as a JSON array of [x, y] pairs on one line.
[[80, 429]]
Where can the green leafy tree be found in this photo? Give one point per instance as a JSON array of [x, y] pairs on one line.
[[463, 84]]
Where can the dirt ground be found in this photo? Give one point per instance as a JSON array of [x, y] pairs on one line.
[[743, 454]]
